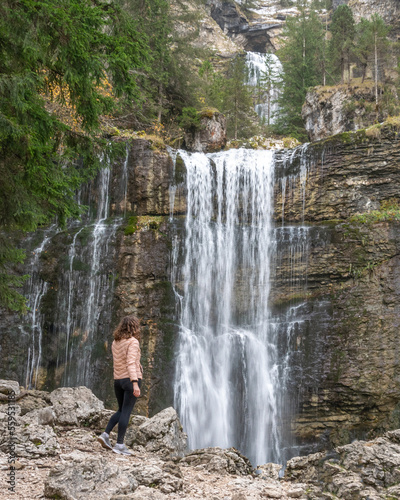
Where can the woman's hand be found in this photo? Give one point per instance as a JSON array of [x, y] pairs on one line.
[[136, 390]]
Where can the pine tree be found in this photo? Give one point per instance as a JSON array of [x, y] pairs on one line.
[[364, 45], [301, 68], [378, 32], [342, 41], [237, 101], [68, 50], [269, 80]]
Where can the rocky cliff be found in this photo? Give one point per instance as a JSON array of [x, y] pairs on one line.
[[332, 110], [341, 276], [347, 272]]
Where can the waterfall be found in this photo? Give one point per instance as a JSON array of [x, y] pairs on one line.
[[71, 288], [32, 327], [268, 67], [85, 291], [227, 377]]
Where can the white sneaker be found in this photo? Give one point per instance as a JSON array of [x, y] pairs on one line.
[[121, 449], [104, 440]]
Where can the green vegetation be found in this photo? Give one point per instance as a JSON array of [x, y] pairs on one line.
[[342, 41], [300, 57], [237, 101], [312, 56], [56, 52], [75, 72], [132, 225], [389, 211]]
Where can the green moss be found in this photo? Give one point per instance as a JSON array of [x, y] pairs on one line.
[[208, 112], [78, 265], [84, 235], [131, 227], [389, 211], [180, 171]]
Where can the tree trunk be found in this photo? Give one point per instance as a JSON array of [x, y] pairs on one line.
[[342, 70], [348, 68], [160, 102], [236, 118], [364, 71], [376, 71]]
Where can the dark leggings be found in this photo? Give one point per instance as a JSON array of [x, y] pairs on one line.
[[126, 401]]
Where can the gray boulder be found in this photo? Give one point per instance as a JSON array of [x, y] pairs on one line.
[[162, 433], [75, 405], [357, 470], [210, 136], [78, 476], [30, 438], [221, 461], [7, 386]]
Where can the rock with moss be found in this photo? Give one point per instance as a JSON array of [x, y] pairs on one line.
[[210, 135], [332, 110]]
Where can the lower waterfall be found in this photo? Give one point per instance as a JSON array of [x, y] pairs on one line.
[[228, 380]]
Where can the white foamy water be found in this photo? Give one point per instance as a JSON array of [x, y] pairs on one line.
[[266, 106], [227, 380]]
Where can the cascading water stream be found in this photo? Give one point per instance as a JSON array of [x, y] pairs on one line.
[[263, 75], [36, 288], [70, 290], [227, 377], [86, 290]]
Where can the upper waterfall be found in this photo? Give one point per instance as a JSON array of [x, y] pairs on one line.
[[263, 75]]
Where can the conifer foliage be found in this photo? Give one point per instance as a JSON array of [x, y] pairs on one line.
[[300, 58], [73, 46]]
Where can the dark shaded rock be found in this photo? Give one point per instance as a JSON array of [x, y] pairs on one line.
[[251, 36], [228, 16]]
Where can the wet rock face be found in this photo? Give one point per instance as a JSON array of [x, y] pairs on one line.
[[150, 175], [144, 289], [332, 110], [342, 279], [347, 174], [211, 135]]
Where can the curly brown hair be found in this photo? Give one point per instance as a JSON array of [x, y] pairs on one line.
[[128, 327]]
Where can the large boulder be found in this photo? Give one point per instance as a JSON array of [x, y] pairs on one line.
[[9, 387], [221, 461], [75, 405], [31, 436], [162, 433], [210, 136], [332, 110], [77, 476]]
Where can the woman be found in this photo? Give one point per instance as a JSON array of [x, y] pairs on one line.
[[127, 380]]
